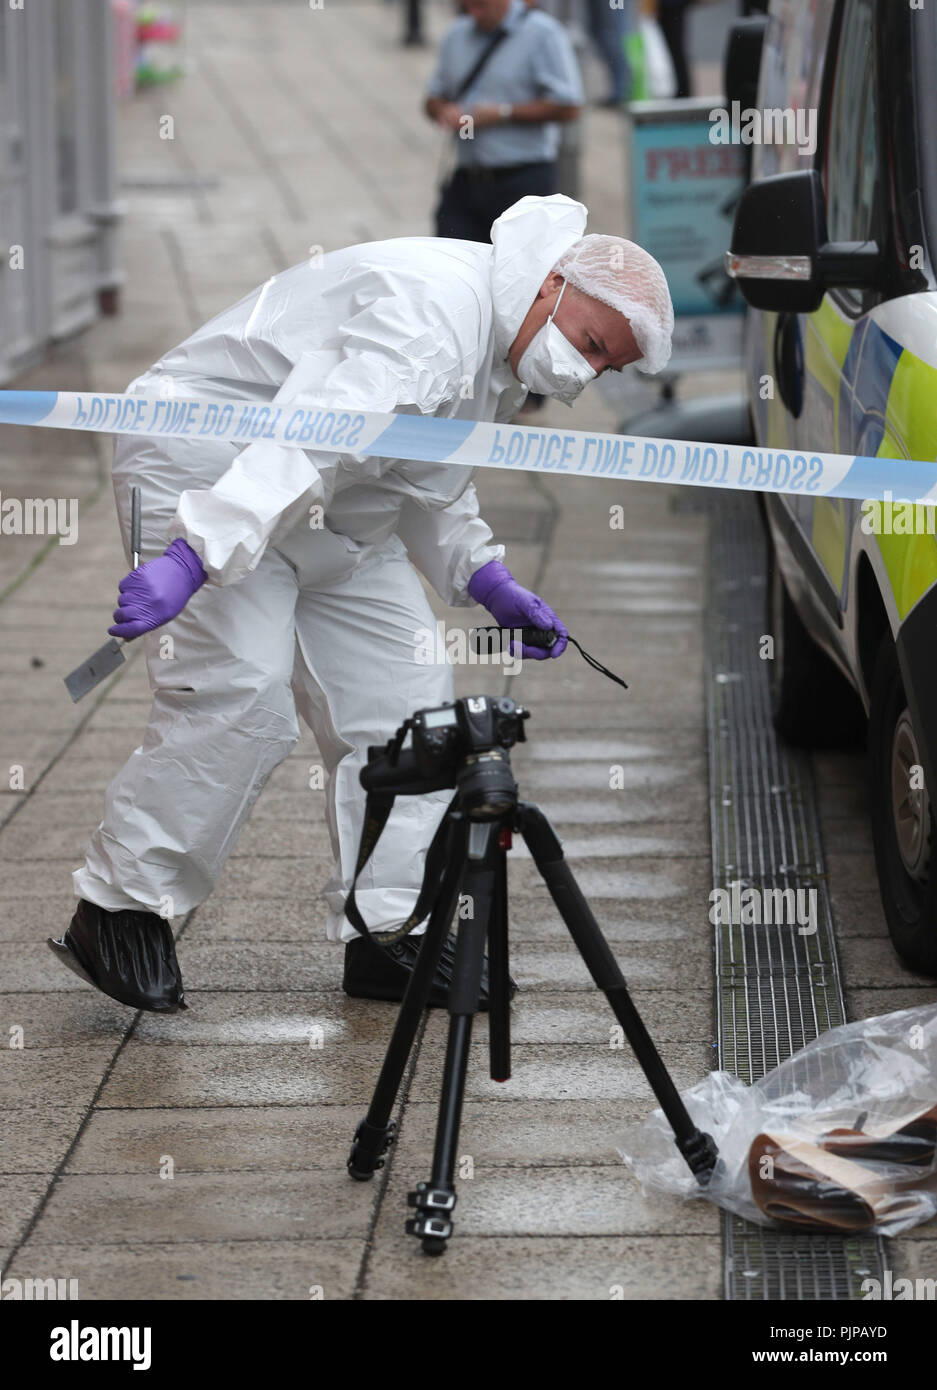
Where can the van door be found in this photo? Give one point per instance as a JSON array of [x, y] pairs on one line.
[[792, 68], [848, 361]]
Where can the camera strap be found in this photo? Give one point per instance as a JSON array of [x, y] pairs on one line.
[[597, 665], [377, 808], [544, 638]]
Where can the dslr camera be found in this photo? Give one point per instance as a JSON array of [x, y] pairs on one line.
[[461, 744]]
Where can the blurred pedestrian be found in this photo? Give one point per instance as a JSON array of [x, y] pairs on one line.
[[671, 16], [610, 23], [505, 77]]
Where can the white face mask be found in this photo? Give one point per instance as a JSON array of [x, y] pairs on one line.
[[551, 366]]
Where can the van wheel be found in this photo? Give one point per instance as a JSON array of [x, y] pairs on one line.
[[902, 819], [812, 703]]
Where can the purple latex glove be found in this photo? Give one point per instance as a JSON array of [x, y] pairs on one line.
[[157, 591], [511, 605]]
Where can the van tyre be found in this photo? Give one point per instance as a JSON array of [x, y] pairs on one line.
[[902, 820], [812, 703]]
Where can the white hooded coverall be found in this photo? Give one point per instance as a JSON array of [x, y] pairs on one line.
[[311, 602]]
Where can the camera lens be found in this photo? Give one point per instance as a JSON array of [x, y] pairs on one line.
[[486, 786]]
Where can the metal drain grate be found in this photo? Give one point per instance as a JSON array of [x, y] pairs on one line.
[[764, 1265], [776, 989]]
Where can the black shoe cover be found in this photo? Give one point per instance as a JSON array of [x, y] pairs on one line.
[[376, 972], [129, 956]]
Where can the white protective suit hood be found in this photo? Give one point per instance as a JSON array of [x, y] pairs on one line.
[[528, 240]]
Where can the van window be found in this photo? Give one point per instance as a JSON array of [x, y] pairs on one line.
[[791, 77], [851, 174]]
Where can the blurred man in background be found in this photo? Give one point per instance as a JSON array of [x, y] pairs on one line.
[[671, 15], [505, 77], [610, 24]]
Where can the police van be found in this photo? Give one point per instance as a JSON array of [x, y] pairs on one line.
[[835, 251]]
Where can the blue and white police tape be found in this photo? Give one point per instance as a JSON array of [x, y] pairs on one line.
[[519, 448]]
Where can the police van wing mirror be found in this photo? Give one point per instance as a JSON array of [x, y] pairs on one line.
[[780, 254]]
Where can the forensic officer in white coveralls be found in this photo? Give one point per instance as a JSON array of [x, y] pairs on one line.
[[272, 616]]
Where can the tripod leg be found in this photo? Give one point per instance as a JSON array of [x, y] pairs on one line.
[[435, 1200], [698, 1149], [375, 1133], [499, 1017]]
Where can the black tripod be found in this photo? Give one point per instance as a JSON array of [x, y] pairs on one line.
[[470, 852]]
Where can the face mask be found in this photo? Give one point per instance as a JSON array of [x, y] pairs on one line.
[[551, 366]]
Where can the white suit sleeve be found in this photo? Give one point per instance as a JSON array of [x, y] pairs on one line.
[[395, 352], [261, 497], [449, 544]]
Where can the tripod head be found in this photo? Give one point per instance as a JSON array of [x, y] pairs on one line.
[[462, 744]]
